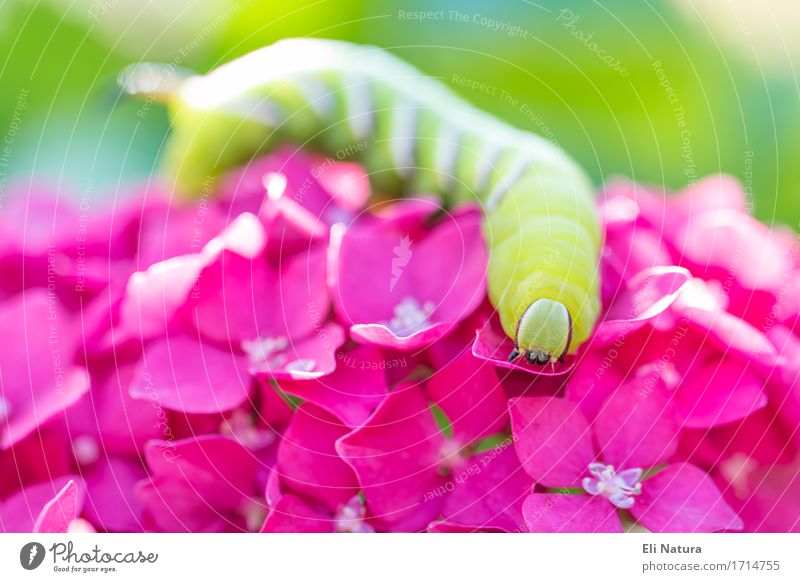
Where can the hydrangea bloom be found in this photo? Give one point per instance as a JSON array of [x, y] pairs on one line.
[[284, 357], [635, 434]]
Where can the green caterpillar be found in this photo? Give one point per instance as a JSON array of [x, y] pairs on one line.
[[541, 222]]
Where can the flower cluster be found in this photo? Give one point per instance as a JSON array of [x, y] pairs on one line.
[[291, 356]]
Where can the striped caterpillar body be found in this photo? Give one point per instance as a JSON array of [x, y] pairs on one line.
[[540, 223]]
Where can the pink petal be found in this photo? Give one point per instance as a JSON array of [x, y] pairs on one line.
[[732, 244], [378, 334], [60, 511], [172, 506], [304, 359], [594, 378], [441, 271], [154, 296], [396, 455], [348, 183], [308, 463], [168, 230], [565, 513], [291, 514], [206, 483], [352, 391], [648, 294], [19, 512], [220, 469], [637, 427], [227, 302], [110, 502], [488, 493], [118, 423], [771, 499], [719, 392], [552, 439], [682, 498], [470, 394], [786, 390], [735, 336], [38, 379], [493, 345], [183, 373]]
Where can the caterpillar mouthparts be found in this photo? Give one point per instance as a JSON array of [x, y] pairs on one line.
[[544, 333]]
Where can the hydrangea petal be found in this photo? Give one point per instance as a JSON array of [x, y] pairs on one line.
[[291, 514], [185, 374], [720, 392], [352, 391], [648, 294], [110, 502], [683, 498], [493, 345], [470, 394], [58, 513], [308, 463], [565, 513], [552, 439], [489, 492], [19, 512], [637, 426], [396, 455], [38, 379]]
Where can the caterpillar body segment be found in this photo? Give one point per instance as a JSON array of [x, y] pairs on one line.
[[418, 136]]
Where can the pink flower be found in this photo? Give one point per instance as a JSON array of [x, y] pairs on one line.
[[353, 390], [401, 454], [486, 494], [296, 196], [212, 304], [38, 375], [643, 298], [204, 484], [707, 229], [315, 490], [635, 434], [714, 364], [49, 507], [401, 285]]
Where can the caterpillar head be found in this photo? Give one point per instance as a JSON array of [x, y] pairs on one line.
[[544, 333]]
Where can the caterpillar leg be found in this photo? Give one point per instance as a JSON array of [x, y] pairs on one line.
[[544, 333]]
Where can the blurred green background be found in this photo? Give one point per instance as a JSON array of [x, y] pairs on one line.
[[661, 91]]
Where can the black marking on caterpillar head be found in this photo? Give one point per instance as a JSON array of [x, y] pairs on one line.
[[536, 356]]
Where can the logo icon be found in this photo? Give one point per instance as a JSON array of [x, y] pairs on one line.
[[31, 555], [402, 255]]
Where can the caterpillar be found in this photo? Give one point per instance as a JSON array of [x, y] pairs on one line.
[[540, 219]]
